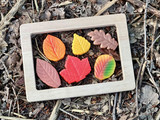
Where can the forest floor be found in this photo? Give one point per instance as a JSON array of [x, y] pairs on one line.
[[143, 27]]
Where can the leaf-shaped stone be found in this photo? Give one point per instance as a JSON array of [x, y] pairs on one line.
[[47, 73], [53, 48], [105, 41], [76, 69], [80, 45], [104, 66]]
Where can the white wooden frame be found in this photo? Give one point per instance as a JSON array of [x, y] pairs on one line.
[[118, 20]]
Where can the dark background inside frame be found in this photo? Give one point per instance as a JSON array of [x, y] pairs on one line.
[[92, 54]]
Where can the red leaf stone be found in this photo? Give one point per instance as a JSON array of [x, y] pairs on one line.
[[47, 73], [76, 69]]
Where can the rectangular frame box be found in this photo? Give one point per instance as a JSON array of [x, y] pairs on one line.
[[118, 20]]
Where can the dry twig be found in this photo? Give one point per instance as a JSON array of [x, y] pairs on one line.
[[120, 99], [55, 111], [42, 6], [152, 80], [152, 38], [13, 118], [10, 14], [106, 6], [142, 5], [10, 105], [114, 107], [7, 72], [70, 114], [145, 35], [109, 103], [87, 111], [36, 4], [142, 73], [152, 44], [18, 115], [41, 54], [16, 99], [7, 55], [144, 62], [157, 116], [137, 81], [145, 49]]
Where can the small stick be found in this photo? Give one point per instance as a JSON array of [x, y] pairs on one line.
[[36, 4], [106, 6], [16, 99], [142, 73], [19, 92], [134, 20], [18, 115], [5, 68], [9, 53], [152, 79], [150, 84], [87, 111], [145, 35], [114, 107], [142, 5], [43, 1], [109, 103], [9, 112], [1, 92], [70, 114], [11, 13], [152, 44], [44, 57], [14, 104], [55, 111], [13, 118], [137, 60], [153, 37], [9, 76], [120, 99], [19, 97], [137, 79], [33, 11], [157, 116]]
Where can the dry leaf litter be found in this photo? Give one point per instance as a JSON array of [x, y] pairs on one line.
[[122, 105]]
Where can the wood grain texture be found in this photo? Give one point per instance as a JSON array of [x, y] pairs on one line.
[[118, 20]]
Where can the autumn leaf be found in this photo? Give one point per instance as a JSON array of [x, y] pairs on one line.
[[47, 73], [104, 67], [53, 48], [102, 39], [80, 45], [76, 69]]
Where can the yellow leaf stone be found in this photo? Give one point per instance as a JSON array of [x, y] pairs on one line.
[[80, 45]]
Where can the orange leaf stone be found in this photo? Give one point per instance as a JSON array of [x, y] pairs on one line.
[[53, 48]]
